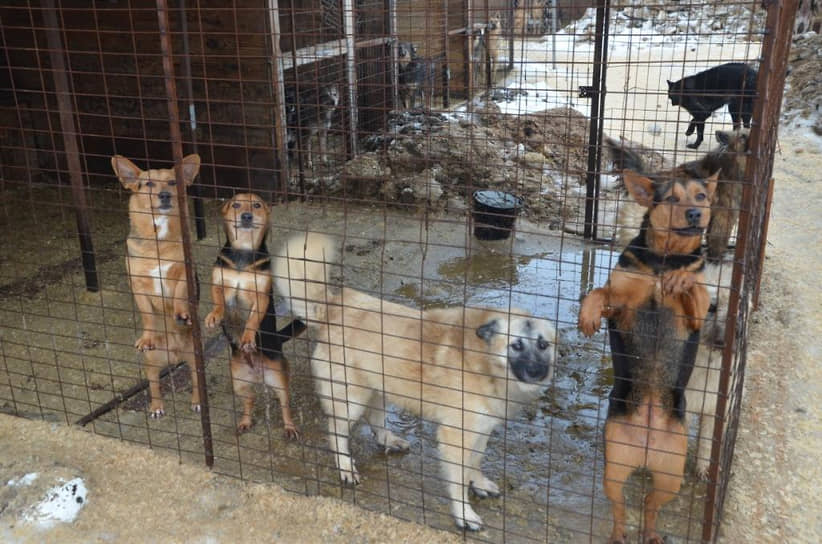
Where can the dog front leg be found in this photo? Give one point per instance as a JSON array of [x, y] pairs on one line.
[[455, 460], [700, 132], [591, 311], [248, 342], [179, 288], [215, 316], [148, 338], [695, 305]]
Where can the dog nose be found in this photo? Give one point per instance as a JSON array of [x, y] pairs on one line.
[[693, 215], [247, 218], [164, 195]]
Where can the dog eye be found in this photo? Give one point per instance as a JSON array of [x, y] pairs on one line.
[[149, 183], [672, 199], [518, 345], [257, 205], [542, 344], [701, 196], [235, 205], [172, 183]]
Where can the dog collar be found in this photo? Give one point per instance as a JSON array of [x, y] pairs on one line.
[[638, 254]]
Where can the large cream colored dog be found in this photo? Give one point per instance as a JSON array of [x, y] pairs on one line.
[[464, 368]]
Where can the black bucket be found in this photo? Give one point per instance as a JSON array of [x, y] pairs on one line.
[[494, 214]]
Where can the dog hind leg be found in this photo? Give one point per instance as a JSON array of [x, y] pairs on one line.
[[667, 465], [275, 375], [154, 361], [621, 458], [242, 381], [186, 353]]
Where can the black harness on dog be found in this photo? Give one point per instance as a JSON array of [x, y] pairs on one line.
[[269, 339], [626, 362]]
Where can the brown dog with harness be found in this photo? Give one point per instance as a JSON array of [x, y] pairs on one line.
[[244, 307], [655, 302]]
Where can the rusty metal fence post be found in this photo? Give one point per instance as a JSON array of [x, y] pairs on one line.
[[191, 279], [747, 270], [69, 133]]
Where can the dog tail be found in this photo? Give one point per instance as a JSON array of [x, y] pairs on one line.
[[623, 157], [302, 271]]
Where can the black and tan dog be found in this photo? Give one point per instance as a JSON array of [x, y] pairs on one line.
[[156, 270], [655, 302], [729, 158], [244, 307]]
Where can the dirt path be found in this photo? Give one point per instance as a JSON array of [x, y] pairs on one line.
[[138, 495], [773, 496]]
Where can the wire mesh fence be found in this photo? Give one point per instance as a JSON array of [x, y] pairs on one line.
[[458, 167]]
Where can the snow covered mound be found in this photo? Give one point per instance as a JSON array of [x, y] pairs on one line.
[[669, 22]]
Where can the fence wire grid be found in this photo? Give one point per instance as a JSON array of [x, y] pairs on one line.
[[463, 157]]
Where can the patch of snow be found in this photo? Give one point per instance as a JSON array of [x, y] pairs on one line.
[[23, 480], [61, 504]]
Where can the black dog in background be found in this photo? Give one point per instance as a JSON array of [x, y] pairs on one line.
[[701, 94]]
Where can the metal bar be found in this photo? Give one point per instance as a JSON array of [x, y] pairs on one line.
[[69, 131], [446, 69], [280, 118], [469, 56], [597, 111], [391, 6], [553, 33], [511, 47], [199, 210], [177, 153], [763, 241], [120, 398], [351, 73], [489, 75], [297, 107], [770, 86]]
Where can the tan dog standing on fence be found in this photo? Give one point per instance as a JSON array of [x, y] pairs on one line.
[[465, 369], [244, 307], [156, 270]]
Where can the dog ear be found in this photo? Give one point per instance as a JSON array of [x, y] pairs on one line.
[[126, 171], [191, 167], [640, 188], [723, 137], [711, 184], [488, 330]]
